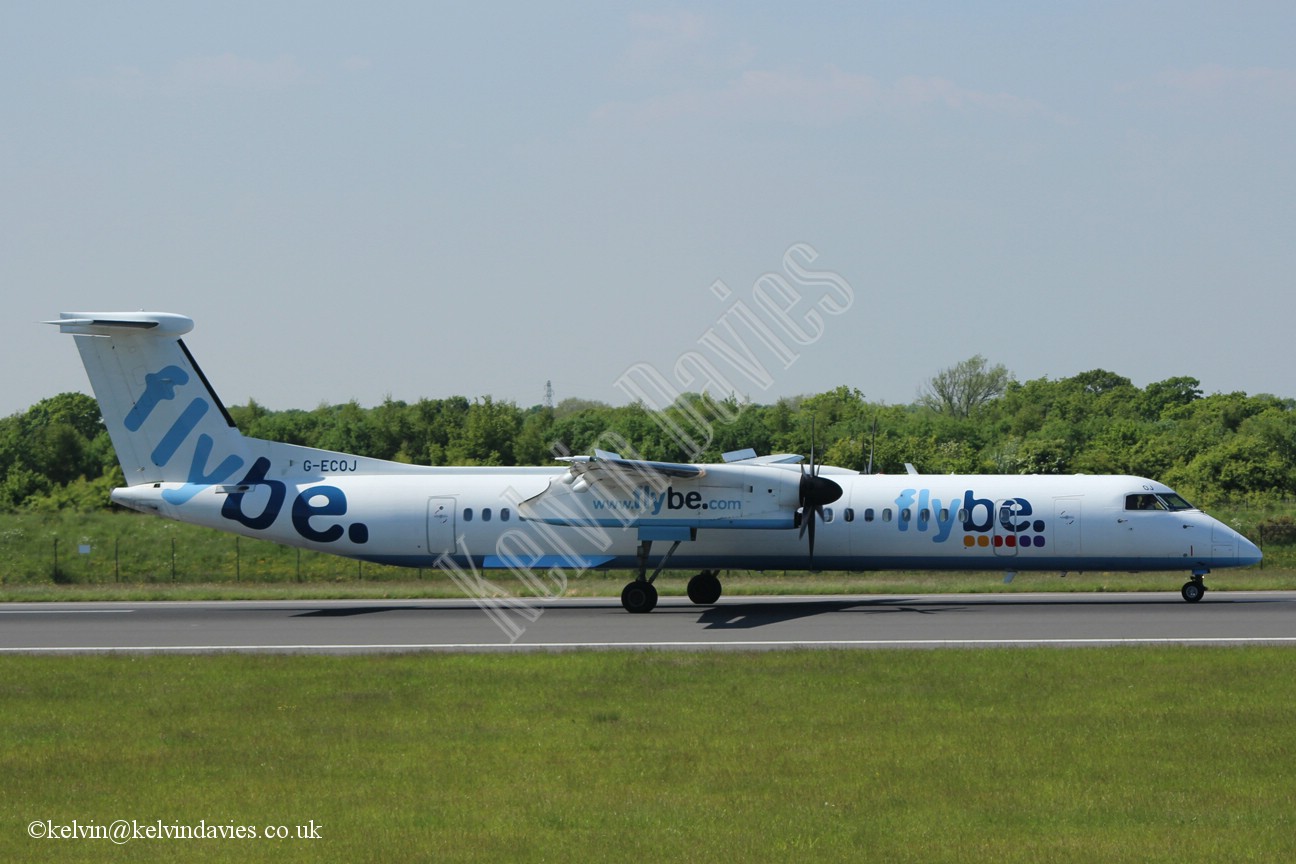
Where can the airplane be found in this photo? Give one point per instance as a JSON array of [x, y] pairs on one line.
[[183, 458]]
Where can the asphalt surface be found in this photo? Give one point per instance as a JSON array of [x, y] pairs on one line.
[[918, 621]]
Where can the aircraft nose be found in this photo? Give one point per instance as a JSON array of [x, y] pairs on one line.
[[1247, 552]]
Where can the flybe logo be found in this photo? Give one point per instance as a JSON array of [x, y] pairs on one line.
[[652, 501], [985, 522], [315, 501]]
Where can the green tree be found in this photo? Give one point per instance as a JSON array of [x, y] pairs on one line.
[[1160, 396], [964, 387], [488, 433], [535, 439]]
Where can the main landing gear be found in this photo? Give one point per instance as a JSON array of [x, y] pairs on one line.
[[641, 595], [704, 588]]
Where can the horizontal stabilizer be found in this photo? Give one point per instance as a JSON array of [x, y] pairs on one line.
[[119, 323]]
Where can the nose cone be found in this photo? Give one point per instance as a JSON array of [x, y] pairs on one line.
[[1229, 548], [1247, 552]]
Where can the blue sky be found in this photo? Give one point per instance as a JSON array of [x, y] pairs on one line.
[[415, 200]]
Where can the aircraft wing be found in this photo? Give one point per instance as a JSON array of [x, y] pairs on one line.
[[609, 490], [603, 462]]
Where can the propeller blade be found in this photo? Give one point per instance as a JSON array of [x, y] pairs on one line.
[[810, 517], [813, 493], [813, 472]]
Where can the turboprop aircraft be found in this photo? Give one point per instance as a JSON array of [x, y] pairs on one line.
[[183, 458]]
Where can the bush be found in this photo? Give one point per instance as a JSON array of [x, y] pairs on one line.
[[1278, 530]]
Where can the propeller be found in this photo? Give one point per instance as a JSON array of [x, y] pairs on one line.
[[813, 494]]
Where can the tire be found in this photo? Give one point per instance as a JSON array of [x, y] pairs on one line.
[[639, 597], [704, 589]]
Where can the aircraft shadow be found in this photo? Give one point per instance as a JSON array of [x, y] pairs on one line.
[[351, 611], [732, 614], [746, 616], [741, 616]]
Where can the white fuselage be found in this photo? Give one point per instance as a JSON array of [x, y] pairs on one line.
[[475, 517]]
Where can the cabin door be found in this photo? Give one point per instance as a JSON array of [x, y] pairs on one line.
[[1065, 530], [441, 526]]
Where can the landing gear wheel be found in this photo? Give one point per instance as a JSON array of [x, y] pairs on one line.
[[1193, 591], [639, 596], [704, 588]]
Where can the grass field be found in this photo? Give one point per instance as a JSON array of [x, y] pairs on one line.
[[1122, 754]]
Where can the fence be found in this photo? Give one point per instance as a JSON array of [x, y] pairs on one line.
[[117, 547]]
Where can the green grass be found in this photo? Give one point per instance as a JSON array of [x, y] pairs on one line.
[[1123, 754]]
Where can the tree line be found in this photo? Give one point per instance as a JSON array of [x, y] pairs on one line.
[[970, 418]]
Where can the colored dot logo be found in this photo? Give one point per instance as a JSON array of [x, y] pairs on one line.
[[1000, 541]]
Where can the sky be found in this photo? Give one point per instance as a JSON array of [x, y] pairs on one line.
[[409, 200]]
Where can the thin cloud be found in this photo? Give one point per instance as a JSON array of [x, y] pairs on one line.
[[661, 39], [678, 46], [206, 73], [1213, 83], [825, 98]]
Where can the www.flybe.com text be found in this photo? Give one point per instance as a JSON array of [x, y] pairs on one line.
[[647, 500]]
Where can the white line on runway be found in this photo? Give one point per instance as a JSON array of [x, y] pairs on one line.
[[604, 646], [64, 611]]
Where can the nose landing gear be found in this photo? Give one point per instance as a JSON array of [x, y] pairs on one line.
[[1194, 589]]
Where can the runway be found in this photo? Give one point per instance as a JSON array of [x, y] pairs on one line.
[[764, 623]]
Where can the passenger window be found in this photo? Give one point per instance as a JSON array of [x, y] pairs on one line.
[[905, 515], [849, 514], [868, 514], [467, 514], [504, 514], [886, 514], [924, 515], [944, 514], [828, 514], [486, 514]]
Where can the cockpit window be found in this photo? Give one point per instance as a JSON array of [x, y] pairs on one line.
[[1162, 501], [1174, 501]]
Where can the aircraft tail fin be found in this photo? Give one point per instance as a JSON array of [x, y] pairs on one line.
[[166, 422]]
